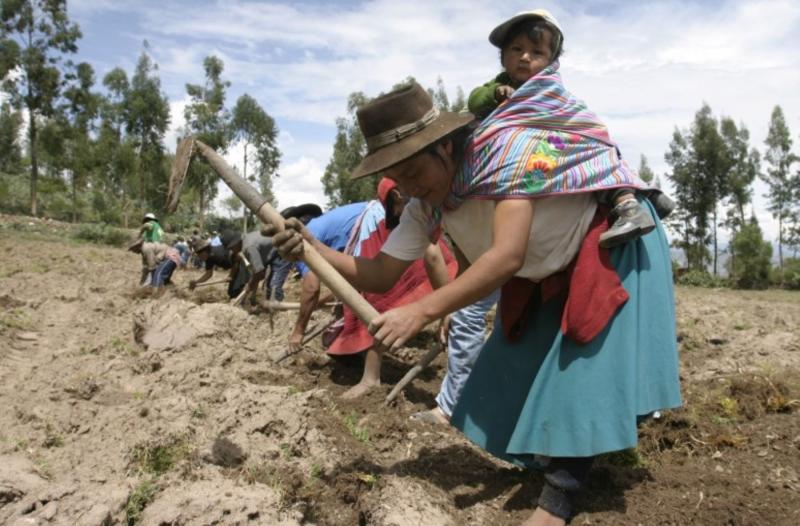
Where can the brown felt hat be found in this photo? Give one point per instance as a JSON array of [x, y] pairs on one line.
[[400, 124]]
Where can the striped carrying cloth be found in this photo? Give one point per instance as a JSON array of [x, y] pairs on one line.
[[542, 141]]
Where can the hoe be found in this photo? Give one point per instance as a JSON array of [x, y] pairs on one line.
[[267, 214]]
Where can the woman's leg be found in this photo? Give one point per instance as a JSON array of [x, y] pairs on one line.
[[371, 377], [563, 479]]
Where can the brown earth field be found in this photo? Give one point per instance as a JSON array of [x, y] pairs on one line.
[[117, 407]]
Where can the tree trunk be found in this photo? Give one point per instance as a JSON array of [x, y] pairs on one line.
[[714, 217], [244, 208], [34, 162], [780, 242], [202, 219], [125, 210], [74, 198], [686, 246], [141, 177]]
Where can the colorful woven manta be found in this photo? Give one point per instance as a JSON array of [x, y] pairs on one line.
[[542, 141]]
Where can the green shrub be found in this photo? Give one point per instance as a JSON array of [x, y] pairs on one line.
[[789, 277], [701, 278], [103, 234], [750, 264]]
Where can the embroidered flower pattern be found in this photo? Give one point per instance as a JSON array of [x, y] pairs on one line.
[[540, 162], [556, 141], [539, 165]]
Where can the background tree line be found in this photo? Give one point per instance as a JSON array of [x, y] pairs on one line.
[[713, 168], [77, 149], [99, 155]]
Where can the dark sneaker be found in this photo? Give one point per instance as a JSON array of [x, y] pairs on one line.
[[632, 221], [662, 204]]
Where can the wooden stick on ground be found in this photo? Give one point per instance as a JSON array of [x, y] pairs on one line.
[[207, 283], [414, 371], [240, 298], [310, 335], [290, 305]]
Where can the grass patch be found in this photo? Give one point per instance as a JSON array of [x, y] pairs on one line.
[[270, 476], [158, 458], [102, 235], [316, 471], [120, 346], [370, 479], [626, 458], [199, 412], [42, 467], [52, 437], [15, 318], [729, 407], [141, 496], [359, 433]]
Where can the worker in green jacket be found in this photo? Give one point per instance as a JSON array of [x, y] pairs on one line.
[[151, 230]]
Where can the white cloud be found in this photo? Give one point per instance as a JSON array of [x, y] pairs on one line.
[[176, 123], [300, 183]]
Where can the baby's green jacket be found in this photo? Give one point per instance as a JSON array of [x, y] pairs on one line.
[[481, 100]]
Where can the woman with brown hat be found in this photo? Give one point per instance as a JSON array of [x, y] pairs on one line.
[[585, 339]]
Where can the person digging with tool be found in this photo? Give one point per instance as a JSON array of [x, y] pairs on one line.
[[333, 228], [151, 231], [585, 340], [252, 257], [282, 268], [159, 261], [212, 257], [366, 237]]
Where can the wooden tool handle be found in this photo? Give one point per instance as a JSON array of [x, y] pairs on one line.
[[414, 371], [261, 207]]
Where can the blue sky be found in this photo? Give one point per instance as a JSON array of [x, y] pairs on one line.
[[644, 67]]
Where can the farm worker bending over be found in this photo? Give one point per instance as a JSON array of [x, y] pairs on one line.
[[254, 251], [151, 230], [212, 257], [282, 268], [365, 238], [585, 339], [159, 261]]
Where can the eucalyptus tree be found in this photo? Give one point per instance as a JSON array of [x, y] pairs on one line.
[[147, 117], [783, 185], [256, 130], [207, 119], [34, 37]]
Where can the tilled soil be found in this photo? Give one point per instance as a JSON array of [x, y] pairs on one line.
[[122, 408]]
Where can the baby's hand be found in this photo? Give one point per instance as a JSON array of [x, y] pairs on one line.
[[503, 92]]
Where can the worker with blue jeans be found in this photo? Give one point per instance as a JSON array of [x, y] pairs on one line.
[[465, 339]]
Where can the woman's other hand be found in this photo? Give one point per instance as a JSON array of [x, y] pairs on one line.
[[395, 327]]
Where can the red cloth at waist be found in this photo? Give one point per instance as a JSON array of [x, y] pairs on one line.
[[594, 291], [412, 285]]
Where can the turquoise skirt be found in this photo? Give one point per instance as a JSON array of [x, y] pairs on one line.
[[547, 395]]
